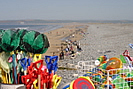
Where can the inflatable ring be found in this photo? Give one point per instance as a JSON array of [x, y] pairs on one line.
[[113, 63], [82, 83]]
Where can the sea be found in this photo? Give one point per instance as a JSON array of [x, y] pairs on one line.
[[38, 28], [15, 24]]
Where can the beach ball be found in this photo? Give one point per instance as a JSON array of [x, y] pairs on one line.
[[82, 83]]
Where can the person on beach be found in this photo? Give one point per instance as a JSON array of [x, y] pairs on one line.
[[61, 55], [67, 51], [71, 47], [61, 47], [75, 42], [53, 53], [68, 45], [79, 48], [72, 54], [73, 36]]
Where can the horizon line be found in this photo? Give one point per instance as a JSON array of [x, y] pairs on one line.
[[62, 20]]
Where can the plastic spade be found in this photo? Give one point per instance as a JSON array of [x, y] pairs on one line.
[[25, 63], [52, 63]]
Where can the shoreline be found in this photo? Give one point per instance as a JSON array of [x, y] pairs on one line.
[[58, 36], [38, 28]]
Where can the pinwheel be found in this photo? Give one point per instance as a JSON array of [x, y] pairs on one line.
[[35, 42], [9, 40]]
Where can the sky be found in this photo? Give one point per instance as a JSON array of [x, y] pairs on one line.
[[66, 9]]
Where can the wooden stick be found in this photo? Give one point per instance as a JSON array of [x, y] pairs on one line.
[[39, 81], [25, 72], [44, 86]]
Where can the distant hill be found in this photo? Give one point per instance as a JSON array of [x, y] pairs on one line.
[[21, 22]]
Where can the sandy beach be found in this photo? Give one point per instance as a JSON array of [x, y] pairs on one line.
[[66, 44], [59, 36], [96, 39], [102, 39]]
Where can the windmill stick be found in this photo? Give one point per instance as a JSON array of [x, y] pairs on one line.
[[44, 86], [39, 81]]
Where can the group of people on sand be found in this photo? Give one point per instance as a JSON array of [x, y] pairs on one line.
[[70, 49]]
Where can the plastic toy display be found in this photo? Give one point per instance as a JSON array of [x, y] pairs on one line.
[[21, 63], [115, 73]]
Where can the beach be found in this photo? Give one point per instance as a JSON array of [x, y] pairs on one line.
[[60, 35], [95, 40], [66, 44], [101, 39]]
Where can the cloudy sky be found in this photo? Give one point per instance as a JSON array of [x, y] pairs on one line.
[[66, 9]]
